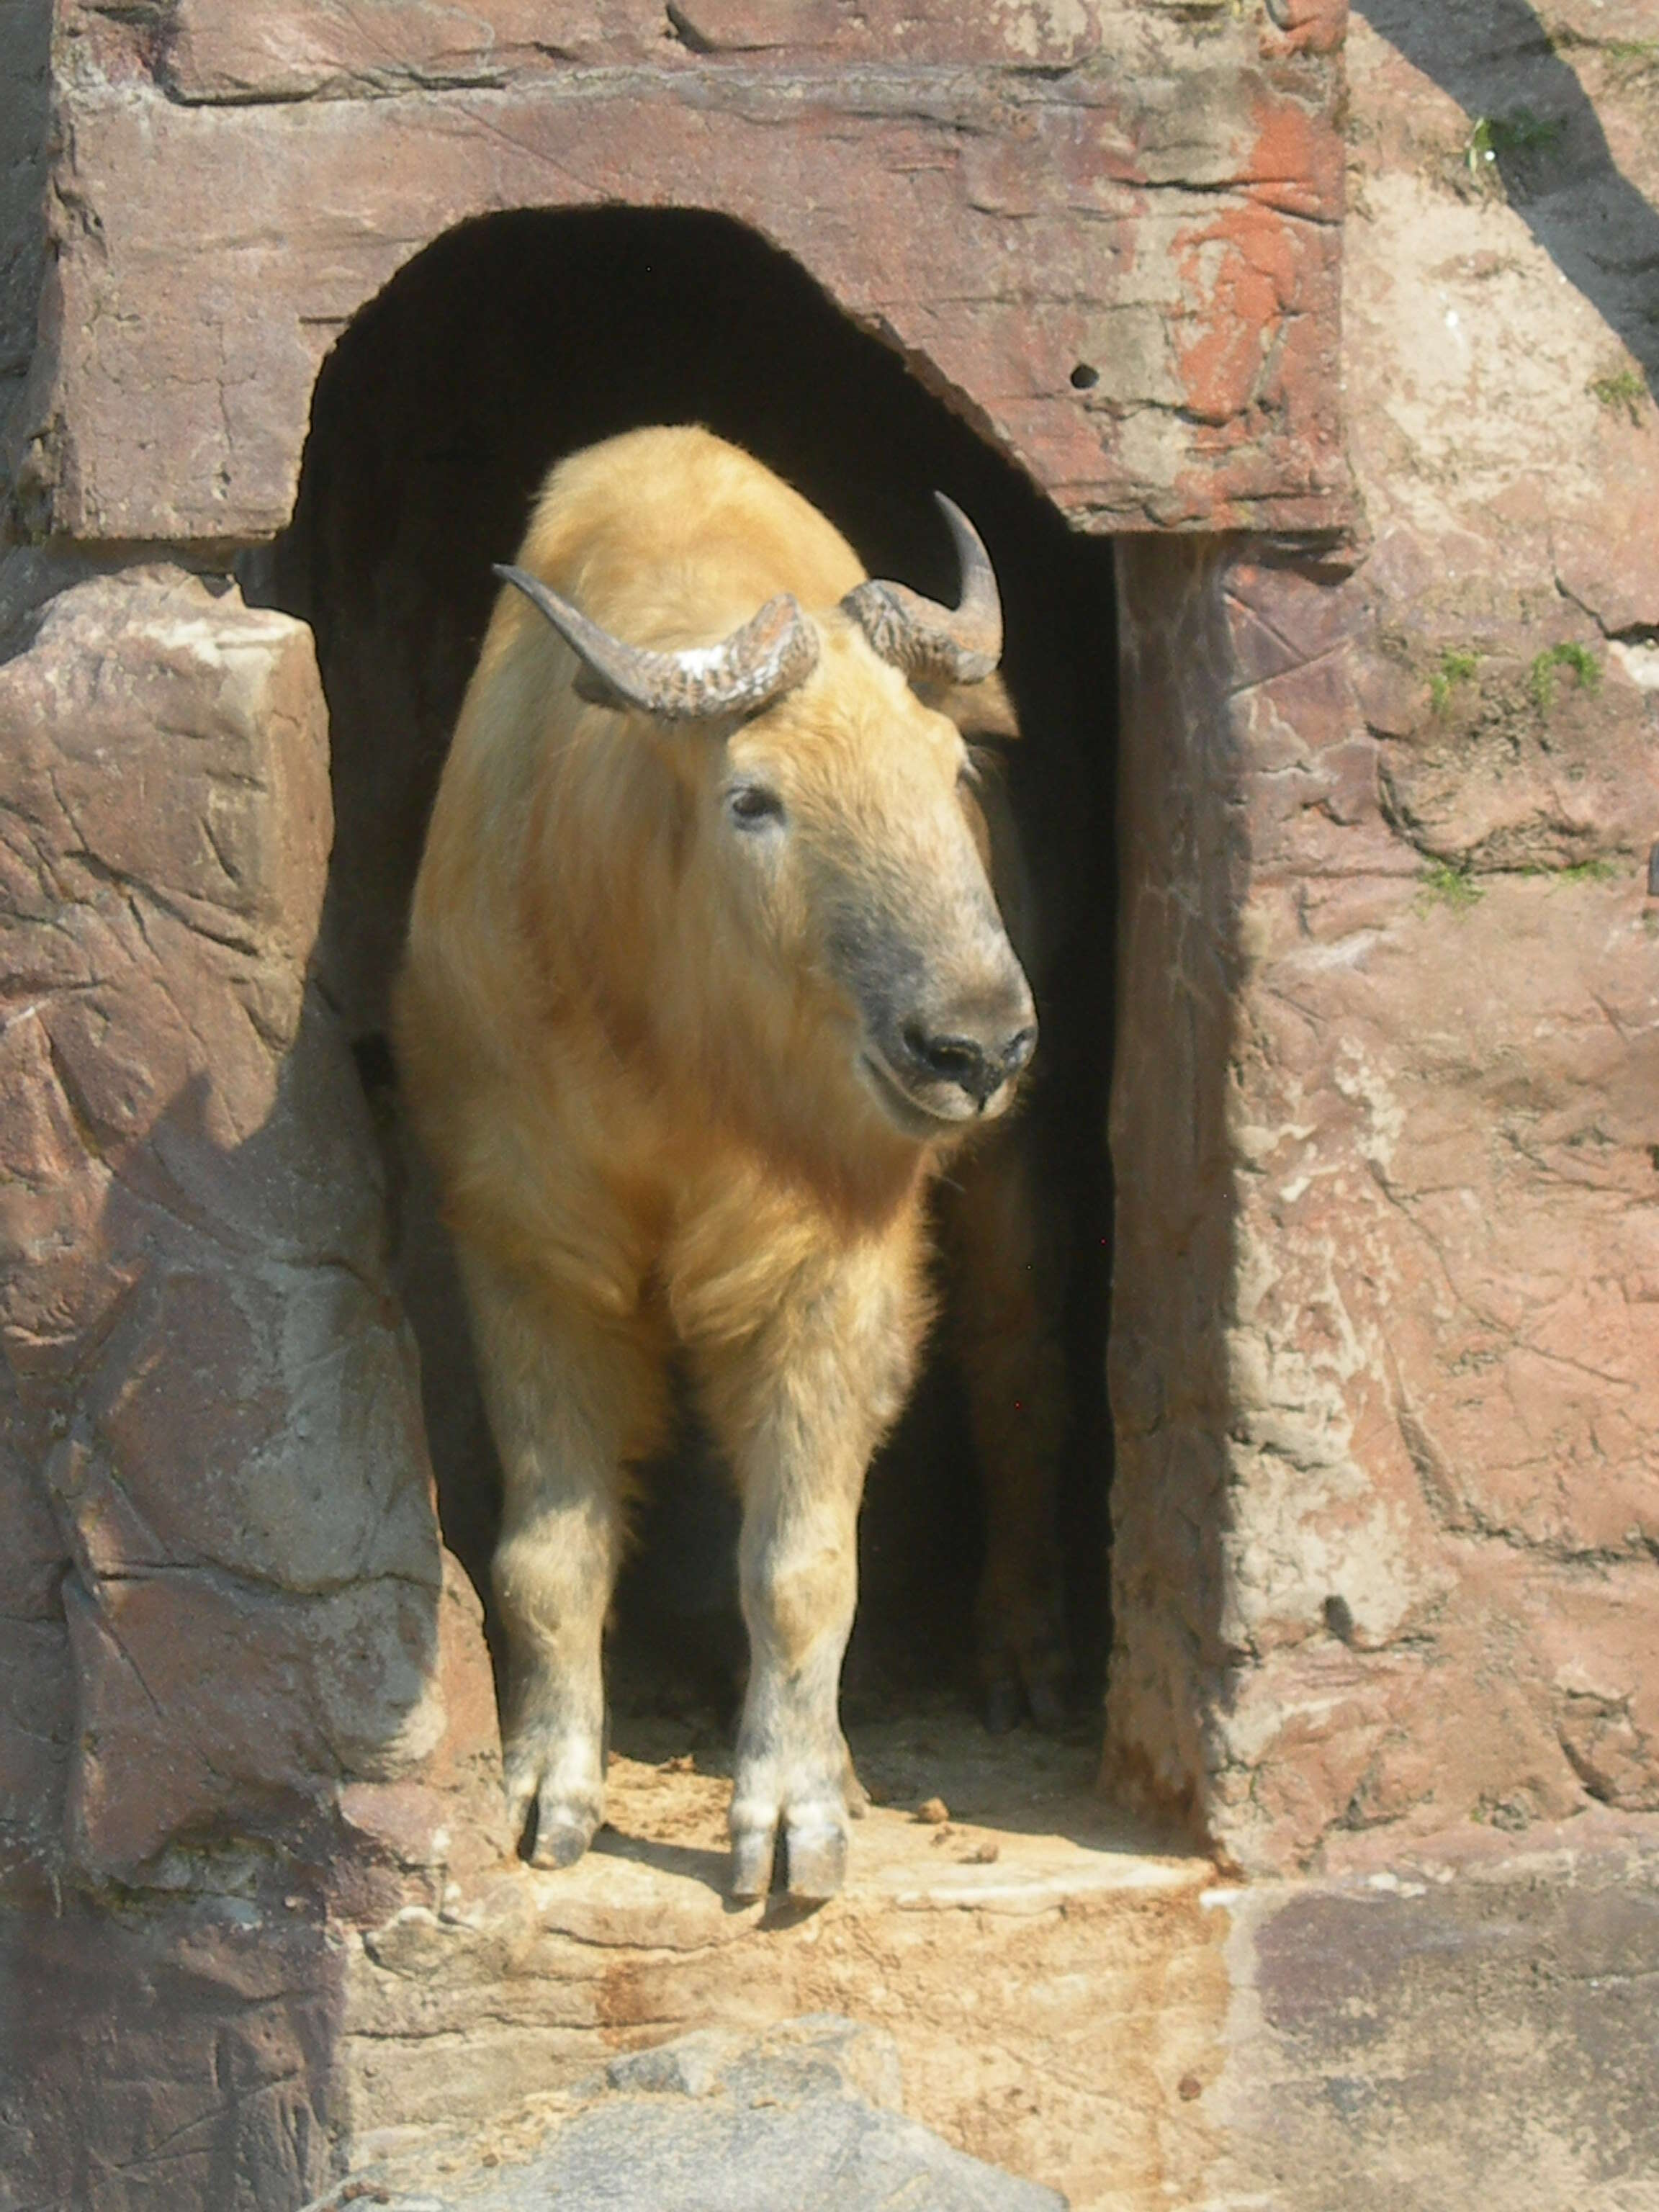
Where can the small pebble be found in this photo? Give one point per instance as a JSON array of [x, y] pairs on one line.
[[682, 1763], [934, 1811], [986, 1855]]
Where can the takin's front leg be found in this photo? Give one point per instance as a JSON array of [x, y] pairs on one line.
[[569, 1405], [800, 1417]]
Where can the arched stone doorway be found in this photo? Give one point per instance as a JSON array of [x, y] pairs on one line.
[[523, 337]]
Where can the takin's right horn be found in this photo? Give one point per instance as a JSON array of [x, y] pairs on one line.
[[936, 644], [770, 654]]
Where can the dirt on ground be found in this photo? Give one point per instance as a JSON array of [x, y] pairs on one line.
[[1051, 1976]]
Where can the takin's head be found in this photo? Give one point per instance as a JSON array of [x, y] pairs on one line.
[[829, 837]]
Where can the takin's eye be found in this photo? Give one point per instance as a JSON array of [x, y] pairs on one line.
[[753, 806]]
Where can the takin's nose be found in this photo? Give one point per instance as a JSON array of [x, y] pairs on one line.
[[977, 1056]]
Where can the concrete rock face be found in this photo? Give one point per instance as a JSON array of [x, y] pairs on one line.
[[25, 34], [1394, 1446], [158, 2059], [221, 1538], [1384, 1365], [1363, 2070], [962, 181]]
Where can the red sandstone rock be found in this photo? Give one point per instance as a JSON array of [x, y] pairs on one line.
[[1427, 1391], [215, 1396], [1400, 1465], [1160, 221], [1606, 549], [180, 2057]]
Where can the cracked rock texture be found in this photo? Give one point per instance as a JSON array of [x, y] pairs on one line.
[[1475, 2027], [1386, 1364], [175, 2056], [25, 39], [1110, 235], [222, 1594]]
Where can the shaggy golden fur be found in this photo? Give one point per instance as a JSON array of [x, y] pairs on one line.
[[650, 1047]]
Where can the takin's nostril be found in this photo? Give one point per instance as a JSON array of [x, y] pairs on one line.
[[1016, 1052], [955, 1060]]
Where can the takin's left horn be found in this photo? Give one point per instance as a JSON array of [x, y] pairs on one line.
[[770, 654], [936, 644]]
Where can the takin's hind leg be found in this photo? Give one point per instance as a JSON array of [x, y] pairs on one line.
[[570, 1405], [800, 1431], [1007, 1298]]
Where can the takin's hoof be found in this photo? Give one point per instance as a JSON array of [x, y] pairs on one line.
[[751, 1863], [814, 1858], [559, 1842], [553, 1828], [1012, 1692], [817, 1860]]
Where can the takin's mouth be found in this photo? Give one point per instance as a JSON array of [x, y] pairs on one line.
[[913, 1115]]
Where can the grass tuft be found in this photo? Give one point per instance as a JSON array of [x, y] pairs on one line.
[[1588, 871], [1540, 678], [1445, 885], [1519, 131], [1631, 59], [1456, 667], [1620, 389]]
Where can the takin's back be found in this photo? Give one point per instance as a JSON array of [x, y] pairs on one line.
[[670, 536]]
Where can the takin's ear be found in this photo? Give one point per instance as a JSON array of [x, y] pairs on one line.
[[983, 710]]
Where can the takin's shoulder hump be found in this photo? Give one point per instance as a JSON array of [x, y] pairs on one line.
[[678, 499]]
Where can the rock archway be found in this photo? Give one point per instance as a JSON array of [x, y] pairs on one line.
[[523, 337]]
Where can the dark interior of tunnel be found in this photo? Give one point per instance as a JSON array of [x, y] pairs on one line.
[[511, 342]]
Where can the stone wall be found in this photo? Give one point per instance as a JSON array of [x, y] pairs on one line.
[[242, 1689], [248, 1708], [1109, 233], [1386, 1366], [1117, 256]]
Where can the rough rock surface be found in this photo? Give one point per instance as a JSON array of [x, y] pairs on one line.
[[809, 2115], [1110, 232], [1049, 1972], [1471, 2026], [1386, 1366], [25, 39], [167, 2054], [1480, 2015], [222, 1589]]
